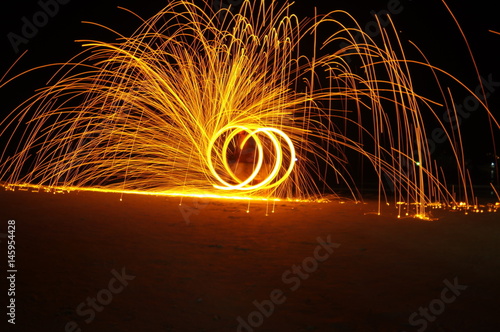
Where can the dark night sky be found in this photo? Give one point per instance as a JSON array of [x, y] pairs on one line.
[[427, 23], [424, 22]]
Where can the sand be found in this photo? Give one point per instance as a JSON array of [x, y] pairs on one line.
[[208, 267]]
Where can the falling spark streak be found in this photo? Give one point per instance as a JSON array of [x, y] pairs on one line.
[[208, 104]]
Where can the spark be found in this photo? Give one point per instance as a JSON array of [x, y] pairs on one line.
[[214, 104]]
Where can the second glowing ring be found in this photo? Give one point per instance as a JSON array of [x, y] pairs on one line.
[[272, 179]]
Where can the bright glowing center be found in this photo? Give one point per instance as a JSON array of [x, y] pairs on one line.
[[241, 135]]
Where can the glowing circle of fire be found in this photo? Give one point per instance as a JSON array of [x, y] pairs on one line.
[[273, 135]]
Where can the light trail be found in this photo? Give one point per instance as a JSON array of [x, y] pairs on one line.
[[233, 104]]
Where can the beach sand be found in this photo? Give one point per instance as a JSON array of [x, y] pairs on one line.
[[208, 265]]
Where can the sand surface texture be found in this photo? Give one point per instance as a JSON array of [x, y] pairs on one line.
[[89, 261]]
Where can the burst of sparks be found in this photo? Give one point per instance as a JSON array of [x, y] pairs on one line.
[[197, 102]]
